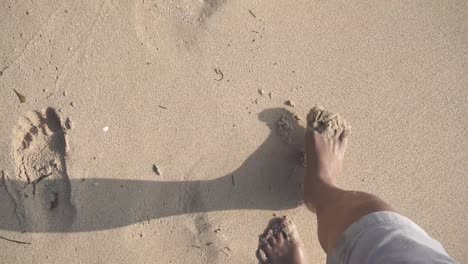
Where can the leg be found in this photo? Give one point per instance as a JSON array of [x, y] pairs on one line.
[[336, 209]]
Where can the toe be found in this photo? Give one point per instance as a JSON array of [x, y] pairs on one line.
[[261, 256], [280, 237], [272, 240], [343, 135], [343, 143], [264, 245], [267, 249]]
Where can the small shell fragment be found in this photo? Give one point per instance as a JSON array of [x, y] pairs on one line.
[[105, 129], [156, 170]]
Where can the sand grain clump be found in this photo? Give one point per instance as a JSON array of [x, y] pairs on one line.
[[327, 123]]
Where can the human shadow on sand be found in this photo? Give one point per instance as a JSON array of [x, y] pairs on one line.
[[269, 179]]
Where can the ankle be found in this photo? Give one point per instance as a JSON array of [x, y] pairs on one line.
[[318, 194], [322, 177]]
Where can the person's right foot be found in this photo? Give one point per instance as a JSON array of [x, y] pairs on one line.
[[326, 140]]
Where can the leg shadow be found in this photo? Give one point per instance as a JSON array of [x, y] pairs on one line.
[[269, 179]]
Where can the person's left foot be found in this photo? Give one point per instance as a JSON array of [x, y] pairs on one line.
[[280, 244]]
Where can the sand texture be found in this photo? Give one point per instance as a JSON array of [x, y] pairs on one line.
[[171, 131]]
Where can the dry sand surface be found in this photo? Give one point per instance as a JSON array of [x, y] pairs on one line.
[[158, 131]]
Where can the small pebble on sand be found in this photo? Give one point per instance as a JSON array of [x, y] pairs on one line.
[[68, 123], [261, 91], [298, 118], [289, 103], [72, 104], [105, 129]]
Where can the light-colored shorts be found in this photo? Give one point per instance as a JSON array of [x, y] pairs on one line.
[[387, 237]]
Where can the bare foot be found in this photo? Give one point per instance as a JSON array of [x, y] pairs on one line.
[[280, 244], [326, 140]]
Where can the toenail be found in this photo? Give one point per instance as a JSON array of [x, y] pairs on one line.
[[276, 231]]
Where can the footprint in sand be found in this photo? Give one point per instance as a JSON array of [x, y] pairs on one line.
[[40, 187], [173, 26]]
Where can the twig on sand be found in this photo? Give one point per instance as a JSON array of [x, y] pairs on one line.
[[218, 71], [225, 251], [21, 97], [15, 241], [252, 13], [232, 179]]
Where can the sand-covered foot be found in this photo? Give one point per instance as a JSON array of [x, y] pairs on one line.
[[326, 140], [280, 244], [40, 187]]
